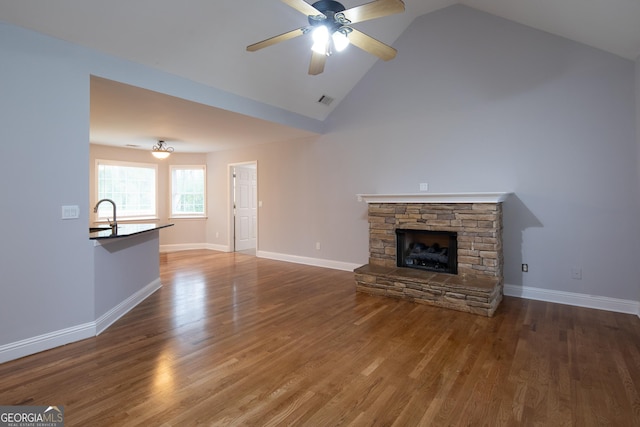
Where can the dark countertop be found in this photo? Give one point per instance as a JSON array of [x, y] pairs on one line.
[[125, 230]]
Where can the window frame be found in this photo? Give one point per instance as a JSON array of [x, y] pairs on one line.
[[174, 215], [120, 216]]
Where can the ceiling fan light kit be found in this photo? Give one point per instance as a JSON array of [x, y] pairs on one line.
[[330, 27], [320, 39], [340, 38]]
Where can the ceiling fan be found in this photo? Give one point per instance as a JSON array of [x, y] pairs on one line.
[[330, 26]]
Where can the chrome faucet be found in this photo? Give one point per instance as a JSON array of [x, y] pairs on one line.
[[114, 223]]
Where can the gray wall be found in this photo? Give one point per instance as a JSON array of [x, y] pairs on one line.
[[471, 103], [638, 131], [124, 267], [46, 264], [477, 103]]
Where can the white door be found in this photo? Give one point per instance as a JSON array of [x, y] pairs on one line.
[[246, 207]]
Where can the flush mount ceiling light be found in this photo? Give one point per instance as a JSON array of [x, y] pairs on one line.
[[161, 151], [330, 27]]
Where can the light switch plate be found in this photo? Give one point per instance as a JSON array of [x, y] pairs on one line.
[[71, 212]]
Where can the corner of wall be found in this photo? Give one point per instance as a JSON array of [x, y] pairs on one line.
[[637, 81]]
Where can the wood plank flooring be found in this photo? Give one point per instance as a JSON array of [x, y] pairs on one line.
[[231, 339]]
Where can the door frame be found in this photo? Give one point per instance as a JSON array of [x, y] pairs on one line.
[[230, 204]]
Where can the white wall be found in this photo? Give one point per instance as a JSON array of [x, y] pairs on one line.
[[477, 103]]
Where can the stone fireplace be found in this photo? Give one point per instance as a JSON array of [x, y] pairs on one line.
[[408, 235]]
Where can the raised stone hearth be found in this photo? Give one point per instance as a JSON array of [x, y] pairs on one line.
[[477, 220]]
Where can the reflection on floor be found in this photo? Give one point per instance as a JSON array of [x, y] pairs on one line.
[[251, 252]]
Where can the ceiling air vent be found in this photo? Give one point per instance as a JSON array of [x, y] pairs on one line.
[[326, 100]]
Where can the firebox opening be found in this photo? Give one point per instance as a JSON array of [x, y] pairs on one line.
[[427, 250]]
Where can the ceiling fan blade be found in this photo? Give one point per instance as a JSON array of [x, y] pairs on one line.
[[317, 63], [371, 45], [305, 8], [276, 39], [373, 10]]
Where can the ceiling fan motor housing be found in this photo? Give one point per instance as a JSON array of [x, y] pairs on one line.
[[329, 8]]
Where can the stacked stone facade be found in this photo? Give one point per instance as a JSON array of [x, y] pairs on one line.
[[477, 288]]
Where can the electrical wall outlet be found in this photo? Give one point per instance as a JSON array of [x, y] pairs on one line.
[[576, 273], [525, 268], [317, 246], [424, 186]]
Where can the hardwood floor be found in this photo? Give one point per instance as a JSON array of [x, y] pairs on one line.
[[231, 339]]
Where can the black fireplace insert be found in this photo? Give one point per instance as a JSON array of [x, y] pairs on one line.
[[427, 250]]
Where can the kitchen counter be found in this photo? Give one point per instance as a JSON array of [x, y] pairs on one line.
[[125, 230]]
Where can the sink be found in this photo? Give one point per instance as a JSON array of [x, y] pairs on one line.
[[94, 229]]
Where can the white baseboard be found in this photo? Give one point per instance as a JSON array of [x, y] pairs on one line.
[[193, 246], [560, 297], [18, 349], [317, 262], [570, 298], [111, 316], [33, 345], [220, 248]]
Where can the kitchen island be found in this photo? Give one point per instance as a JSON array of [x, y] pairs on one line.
[[126, 268]]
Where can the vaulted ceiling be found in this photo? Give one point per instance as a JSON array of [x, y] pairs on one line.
[[205, 41]]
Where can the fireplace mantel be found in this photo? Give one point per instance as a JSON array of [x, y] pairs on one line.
[[434, 198]]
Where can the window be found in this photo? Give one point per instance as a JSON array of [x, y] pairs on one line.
[[188, 191], [132, 186]]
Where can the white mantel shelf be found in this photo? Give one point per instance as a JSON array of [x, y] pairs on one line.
[[434, 198]]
